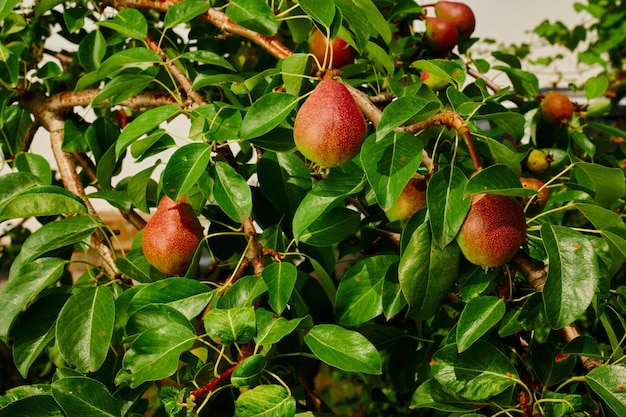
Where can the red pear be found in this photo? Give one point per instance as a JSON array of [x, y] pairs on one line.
[[171, 236], [539, 200], [556, 108], [329, 128], [459, 14], [493, 230], [339, 52], [411, 200], [441, 34]]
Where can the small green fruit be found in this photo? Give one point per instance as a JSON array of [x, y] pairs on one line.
[[441, 34], [493, 230], [171, 236], [329, 128], [411, 200], [538, 162], [339, 52], [460, 14], [556, 108]]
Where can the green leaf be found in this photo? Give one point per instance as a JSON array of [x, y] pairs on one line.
[[183, 12], [13, 184], [82, 396], [42, 201], [128, 22], [604, 184], [34, 164], [280, 278], [34, 406], [424, 397], [7, 7], [85, 327], [144, 123], [243, 293], [344, 349], [479, 316], [601, 218], [184, 168], [23, 286], [265, 401], [91, 50], [136, 58], [360, 294], [447, 205], [249, 371], [294, 67], [450, 71], [266, 113], [271, 329], [608, 382], [153, 316], [255, 15], [122, 87], [567, 293], [208, 57], [36, 330], [596, 86], [321, 11], [511, 122], [377, 20], [231, 192], [154, 354], [497, 179], [389, 164], [284, 180], [233, 325], [478, 373], [331, 227], [398, 112], [187, 296]]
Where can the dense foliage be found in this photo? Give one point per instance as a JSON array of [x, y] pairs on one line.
[[303, 297]]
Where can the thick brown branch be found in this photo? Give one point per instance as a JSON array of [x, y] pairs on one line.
[[69, 99]]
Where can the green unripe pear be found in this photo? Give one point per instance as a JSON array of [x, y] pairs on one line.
[[493, 230], [411, 200], [171, 236], [338, 54], [459, 14], [538, 161], [329, 128]]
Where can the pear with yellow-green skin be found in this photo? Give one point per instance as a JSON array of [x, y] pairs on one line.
[[171, 236], [329, 128]]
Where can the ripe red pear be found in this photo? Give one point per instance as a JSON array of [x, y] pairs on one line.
[[459, 14], [411, 200], [340, 53], [556, 108], [441, 34], [329, 128], [171, 236], [493, 231]]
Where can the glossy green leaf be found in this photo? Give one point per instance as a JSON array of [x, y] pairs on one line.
[[325, 195], [153, 316], [608, 382], [23, 286], [603, 183], [143, 124], [36, 330], [450, 71], [266, 113], [138, 188], [185, 166], [616, 239], [243, 293], [478, 373], [215, 122], [479, 316], [398, 112], [208, 57], [524, 83], [568, 291], [136, 266], [360, 294], [271, 329], [249, 371], [128, 22], [85, 327], [36, 165], [321, 12], [13, 184], [187, 296], [389, 164], [231, 192], [432, 395], [183, 12], [280, 278], [344, 349], [138, 58], [497, 179], [91, 50], [295, 66], [331, 227], [42, 201], [122, 87], [253, 14], [35, 406], [265, 401], [75, 18], [7, 7], [288, 170], [82, 396], [226, 326], [154, 354], [447, 205], [600, 217], [512, 123]]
